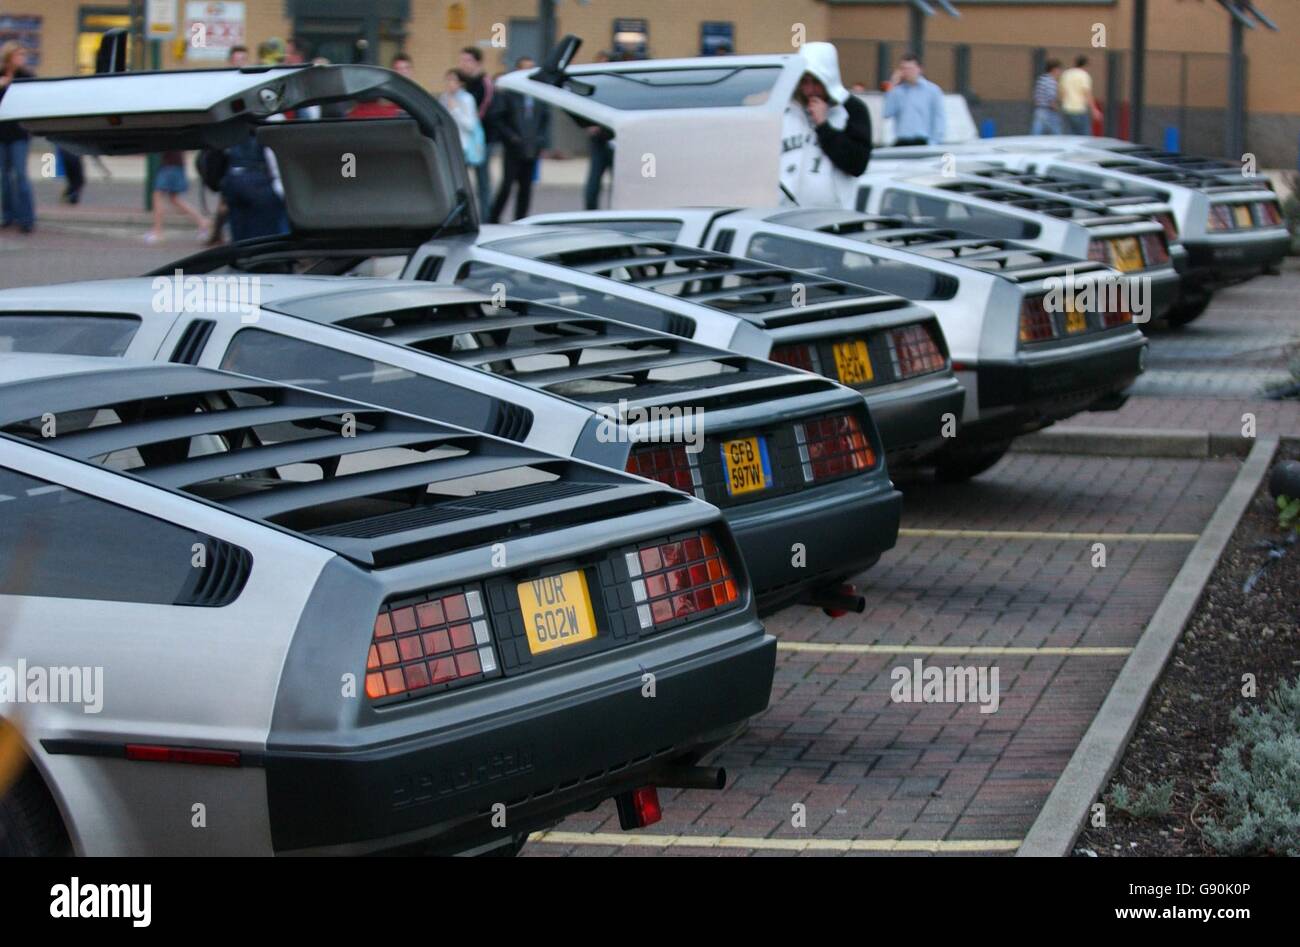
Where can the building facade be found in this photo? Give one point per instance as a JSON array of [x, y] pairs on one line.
[[991, 53]]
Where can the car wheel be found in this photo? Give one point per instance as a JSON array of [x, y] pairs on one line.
[[1187, 309], [957, 464], [29, 820]]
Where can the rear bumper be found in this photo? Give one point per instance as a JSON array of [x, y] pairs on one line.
[[1165, 289], [844, 527], [1034, 391], [579, 733], [910, 416], [1224, 258]]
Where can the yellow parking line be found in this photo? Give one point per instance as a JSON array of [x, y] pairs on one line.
[[1032, 534], [830, 648], [641, 840]]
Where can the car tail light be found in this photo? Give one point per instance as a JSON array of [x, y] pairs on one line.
[[1167, 221], [1036, 323], [676, 580], [796, 356], [914, 351], [1155, 249], [833, 447], [1267, 214], [668, 463], [1220, 217], [440, 642], [1119, 317], [1099, 251]]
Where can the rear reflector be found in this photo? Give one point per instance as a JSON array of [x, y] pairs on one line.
[[1154, 249], [796, 355], [1035, 321], [672, 464], [441, 642], [638, 808], [679, 580], [195, 756], [914, 351], [833, 447]]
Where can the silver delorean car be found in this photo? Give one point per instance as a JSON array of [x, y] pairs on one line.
[[282, 622], [1023, 364], [795, 462]]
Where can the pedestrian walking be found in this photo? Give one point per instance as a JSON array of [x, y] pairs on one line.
[[19, 208], [74, 175], [915, 104], [479, 85], [169, 184], [1047, 106], [825, 134], [253, 193], [522, 124], [1078, 106], [464, 111]]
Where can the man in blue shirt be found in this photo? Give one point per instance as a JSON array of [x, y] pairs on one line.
[[915, 104]]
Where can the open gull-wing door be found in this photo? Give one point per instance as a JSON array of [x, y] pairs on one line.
[[405, 175], [686, 131]]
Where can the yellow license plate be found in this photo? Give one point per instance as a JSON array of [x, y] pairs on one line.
[[1241, 214], [1076, 319], [746, 465], [853, 362], [1127, 254], [557, 611]]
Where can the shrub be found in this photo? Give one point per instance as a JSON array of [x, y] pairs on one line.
[[1259, 780], [1152, 801]]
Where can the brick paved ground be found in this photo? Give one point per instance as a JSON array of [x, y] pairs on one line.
[[864, 766], [868, 768]]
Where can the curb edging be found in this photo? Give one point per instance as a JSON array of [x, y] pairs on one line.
[[1132, 442], [1098, 754]]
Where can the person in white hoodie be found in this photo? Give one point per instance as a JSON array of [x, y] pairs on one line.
[[825, 134]]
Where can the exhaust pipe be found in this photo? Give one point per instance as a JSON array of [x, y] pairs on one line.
[[837, 600], [692, 777]]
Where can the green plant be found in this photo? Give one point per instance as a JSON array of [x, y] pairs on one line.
[[1259, 780], [1288, 516], [1152, 801]]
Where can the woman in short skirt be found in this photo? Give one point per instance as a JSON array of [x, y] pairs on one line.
[[168, 185]]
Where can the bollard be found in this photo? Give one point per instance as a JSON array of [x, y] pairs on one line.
[[1171, 138], [988, 128]]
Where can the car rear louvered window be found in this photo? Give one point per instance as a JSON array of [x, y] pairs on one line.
[[266, 354], [318, 466]]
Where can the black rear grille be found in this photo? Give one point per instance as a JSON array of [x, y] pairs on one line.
[[192, 341], [460, 508], [220, 580]]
